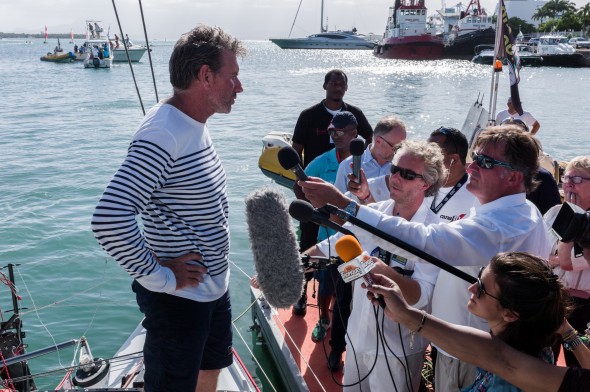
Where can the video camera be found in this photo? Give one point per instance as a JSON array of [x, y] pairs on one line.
[[572, 224]]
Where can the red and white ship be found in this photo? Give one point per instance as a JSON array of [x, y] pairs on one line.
[[407, 35]]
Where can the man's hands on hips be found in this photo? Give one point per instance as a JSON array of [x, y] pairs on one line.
[[187, 274]]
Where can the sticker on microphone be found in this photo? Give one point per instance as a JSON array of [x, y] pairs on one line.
[[356, 268]]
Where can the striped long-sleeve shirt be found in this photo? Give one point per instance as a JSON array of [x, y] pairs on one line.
[[173, 178]]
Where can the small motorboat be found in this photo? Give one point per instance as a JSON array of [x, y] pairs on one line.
[[97, 48], [485, 55], [60, 57]]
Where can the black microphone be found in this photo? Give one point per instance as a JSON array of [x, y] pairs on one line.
[[304, 212], [399, 243], [357, 148], [289, 160], [277, 260]]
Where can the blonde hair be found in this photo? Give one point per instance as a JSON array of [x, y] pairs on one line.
[[435, 173]]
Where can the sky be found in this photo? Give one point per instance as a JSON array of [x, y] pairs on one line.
[[168, 19]]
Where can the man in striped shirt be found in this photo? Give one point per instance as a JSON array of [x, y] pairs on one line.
[[173, 179]]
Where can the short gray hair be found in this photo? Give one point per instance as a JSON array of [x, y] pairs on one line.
[[388, 123], [435, 173], [580, 163], [203, 45]]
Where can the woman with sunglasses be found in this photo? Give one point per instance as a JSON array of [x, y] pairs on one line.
[[570, 260], [524, 304], [481, 348]]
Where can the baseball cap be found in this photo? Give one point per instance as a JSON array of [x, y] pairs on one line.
[[342, 119]]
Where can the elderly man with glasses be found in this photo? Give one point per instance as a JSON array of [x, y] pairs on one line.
[[504, 165]]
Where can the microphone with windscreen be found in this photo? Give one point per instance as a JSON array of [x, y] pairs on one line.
[[356, 264], [357, 148], [274, 246], [289, 160]]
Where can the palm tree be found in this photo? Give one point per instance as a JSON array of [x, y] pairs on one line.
[[584, 14], [555, 8], [540, 14]]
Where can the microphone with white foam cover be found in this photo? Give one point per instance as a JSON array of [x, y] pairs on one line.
[[274, 246]]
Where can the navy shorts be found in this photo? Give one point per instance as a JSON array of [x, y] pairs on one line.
[[327, 279], [183, 337]]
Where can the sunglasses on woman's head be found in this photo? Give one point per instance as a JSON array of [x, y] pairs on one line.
[[406, 174]]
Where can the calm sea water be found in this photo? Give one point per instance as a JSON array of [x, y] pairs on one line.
[[64, 130]]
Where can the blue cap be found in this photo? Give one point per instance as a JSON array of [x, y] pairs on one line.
[[342, 119]]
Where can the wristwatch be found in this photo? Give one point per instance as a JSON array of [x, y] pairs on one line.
[[350, 209]]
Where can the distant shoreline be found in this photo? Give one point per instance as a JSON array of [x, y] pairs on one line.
[[41, 35]]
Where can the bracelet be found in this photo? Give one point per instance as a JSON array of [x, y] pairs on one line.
[[366, 198], [418, 329], [422, 322], [569, 335], [570, 345]]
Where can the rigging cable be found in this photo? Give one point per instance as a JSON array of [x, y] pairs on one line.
[[297, 13], [128, 59], [147, 44]]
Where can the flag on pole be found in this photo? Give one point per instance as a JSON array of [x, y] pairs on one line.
[[505, 50]]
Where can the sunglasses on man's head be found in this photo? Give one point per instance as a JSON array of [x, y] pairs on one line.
[[448, 133], [486, 162], [480, 287], [406, 174]]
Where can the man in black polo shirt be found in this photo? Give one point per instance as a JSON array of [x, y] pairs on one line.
[[311, 138]]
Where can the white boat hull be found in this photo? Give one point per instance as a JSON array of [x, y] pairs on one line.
[[135, 54], [98, 63]]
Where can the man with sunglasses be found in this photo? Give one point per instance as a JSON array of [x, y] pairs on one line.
[[505, 161]]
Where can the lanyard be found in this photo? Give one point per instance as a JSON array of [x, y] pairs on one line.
[[457, 186]]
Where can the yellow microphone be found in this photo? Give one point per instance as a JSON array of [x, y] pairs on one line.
[[356, 262]]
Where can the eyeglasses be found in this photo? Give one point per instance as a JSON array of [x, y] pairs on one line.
[[480, 287], [386, 142], [573, 179], [449, 134], [486, 162], [406, 174]]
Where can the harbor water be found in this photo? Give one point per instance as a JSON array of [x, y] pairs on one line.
[[64, 130]]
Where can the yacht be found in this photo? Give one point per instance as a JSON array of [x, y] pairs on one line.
[[326, 40]]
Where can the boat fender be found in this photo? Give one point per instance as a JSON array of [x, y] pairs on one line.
[[96, 62]]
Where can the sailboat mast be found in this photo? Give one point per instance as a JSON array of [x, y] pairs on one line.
[[496, 68], [322, 30]]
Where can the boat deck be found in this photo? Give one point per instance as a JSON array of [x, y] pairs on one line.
[[302, 362]]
